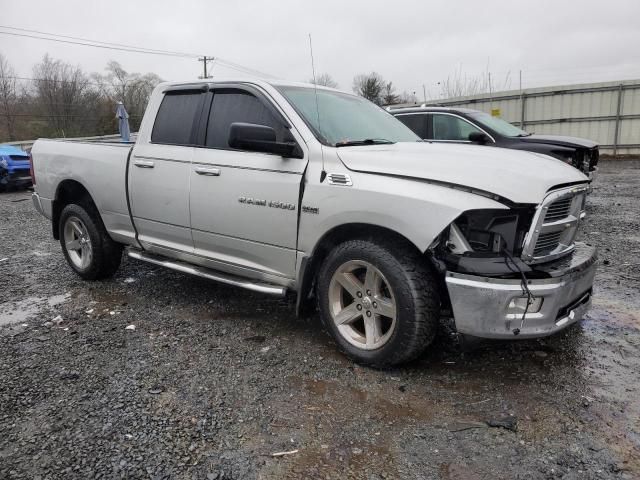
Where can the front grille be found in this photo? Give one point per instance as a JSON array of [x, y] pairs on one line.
[[558, 209], [554, 225], [547, 243], [21, 158]]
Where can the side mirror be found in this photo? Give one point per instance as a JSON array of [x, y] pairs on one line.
[[480, 138], [260, 138]]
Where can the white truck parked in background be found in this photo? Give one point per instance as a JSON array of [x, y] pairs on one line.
[[278, 187]]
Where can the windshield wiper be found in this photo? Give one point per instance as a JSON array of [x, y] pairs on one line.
[[526, 134], [366, 141]]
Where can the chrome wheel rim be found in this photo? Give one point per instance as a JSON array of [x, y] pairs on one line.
[[78, 243], [362, 305]]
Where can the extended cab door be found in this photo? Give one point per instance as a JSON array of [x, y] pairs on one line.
[[244, 205], [159, 173]]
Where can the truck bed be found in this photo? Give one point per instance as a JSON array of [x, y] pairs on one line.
[[101, 167]]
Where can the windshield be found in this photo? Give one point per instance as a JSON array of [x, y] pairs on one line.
[[346, 119], [499, 125]]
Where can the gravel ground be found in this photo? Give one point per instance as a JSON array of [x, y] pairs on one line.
[[213, 380]]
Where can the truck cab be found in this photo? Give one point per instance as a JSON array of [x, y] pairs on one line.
[[289, 188]]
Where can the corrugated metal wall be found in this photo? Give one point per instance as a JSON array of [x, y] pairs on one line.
[[608, 113]]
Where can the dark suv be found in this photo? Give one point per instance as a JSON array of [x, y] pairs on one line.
[[463, 125]]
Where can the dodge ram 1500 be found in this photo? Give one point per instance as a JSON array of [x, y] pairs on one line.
[[281, 187]]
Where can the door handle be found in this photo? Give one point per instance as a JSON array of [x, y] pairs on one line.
[[143, 164], [211, 172]]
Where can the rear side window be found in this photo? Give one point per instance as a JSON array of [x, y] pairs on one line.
[[416, 122], [231, 106], [177, 116]]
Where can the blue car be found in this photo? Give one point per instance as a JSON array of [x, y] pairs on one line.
[[14, 167]]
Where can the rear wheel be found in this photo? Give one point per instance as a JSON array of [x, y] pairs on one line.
[[86, 245], [379, 302]]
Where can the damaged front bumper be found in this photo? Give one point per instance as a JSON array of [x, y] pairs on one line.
[[493, 307]]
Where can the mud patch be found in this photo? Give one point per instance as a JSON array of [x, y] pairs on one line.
[[28, 308]]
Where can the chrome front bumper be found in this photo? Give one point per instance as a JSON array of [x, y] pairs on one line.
[[481, 305]]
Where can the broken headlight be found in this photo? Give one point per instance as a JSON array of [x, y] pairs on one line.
[[489, 231]]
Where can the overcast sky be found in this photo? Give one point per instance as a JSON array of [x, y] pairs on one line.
[[411, 43]]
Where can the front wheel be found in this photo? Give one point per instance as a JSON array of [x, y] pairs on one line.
[[86, 245], [379, 302]]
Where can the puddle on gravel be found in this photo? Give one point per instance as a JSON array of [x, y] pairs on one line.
[[15, 312]]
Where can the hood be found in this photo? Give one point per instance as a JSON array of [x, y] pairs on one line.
[[560, 140], [519, 176]]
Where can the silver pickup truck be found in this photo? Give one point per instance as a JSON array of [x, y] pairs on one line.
[[281, 187]]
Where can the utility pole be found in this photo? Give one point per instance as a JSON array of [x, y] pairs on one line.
[[520, 82], [424, 93], [204, 61], [490, 93]]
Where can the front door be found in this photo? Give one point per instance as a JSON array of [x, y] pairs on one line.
[[244, 205]]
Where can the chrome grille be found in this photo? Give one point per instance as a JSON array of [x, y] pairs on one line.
[[340, 179], [555, 225], [546, 243], [558, 209]]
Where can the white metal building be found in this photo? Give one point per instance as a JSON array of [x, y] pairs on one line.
[[608, 113]]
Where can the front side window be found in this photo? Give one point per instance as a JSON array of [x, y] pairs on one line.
[[231, 106], [176, 118], [417, 122], [449, 127], [339, 118]]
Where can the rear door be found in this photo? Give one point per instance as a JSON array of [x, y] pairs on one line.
[[244, 205], [159, 174]]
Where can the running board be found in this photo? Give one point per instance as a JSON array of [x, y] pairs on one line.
[[208, 273]]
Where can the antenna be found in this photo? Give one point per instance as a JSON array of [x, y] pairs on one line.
[[323, 174]]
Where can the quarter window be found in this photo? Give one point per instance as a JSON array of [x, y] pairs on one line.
[[231, 106], [177, 116], [449, 127]]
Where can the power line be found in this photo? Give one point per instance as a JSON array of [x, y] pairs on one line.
[[58, 81], [167, 52], [37, 34], [107, 47]]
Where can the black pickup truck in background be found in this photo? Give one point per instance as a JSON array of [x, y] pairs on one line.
[[464, 125]]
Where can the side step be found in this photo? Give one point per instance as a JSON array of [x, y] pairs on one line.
[[208, 273]]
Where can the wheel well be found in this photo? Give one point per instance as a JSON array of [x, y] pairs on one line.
[[69, 191], [334, 237]]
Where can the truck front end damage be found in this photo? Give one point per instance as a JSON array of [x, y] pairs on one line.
[[518, 272]]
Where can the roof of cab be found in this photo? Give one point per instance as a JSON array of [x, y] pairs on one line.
[[274, 82], [430, 108]]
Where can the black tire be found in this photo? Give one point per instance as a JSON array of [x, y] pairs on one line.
[[106, 254], [416, 295]]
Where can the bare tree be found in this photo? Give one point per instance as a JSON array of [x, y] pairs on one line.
[[369, 86], [132, 89], [406, 97], [389, 96], [325, 80], [8, 96], [60, 93], [460, 84]]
